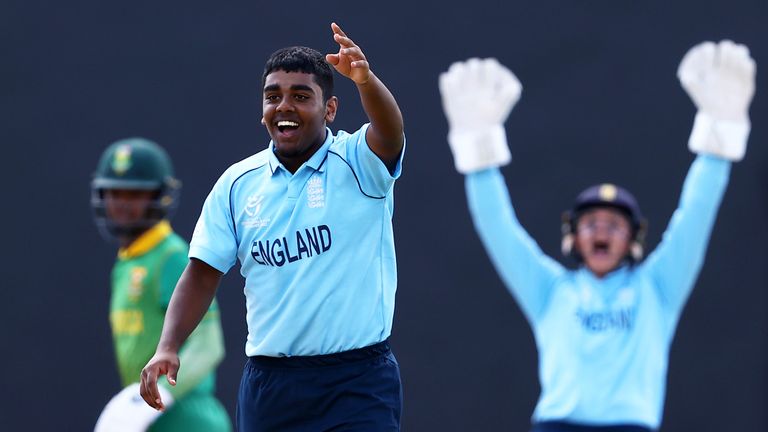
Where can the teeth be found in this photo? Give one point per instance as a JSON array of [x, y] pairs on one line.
[[287, 123]]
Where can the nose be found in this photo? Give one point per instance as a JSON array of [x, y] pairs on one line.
[[602, 229], [284, 105], [602, 234]]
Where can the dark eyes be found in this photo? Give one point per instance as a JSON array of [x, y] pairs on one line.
[[590, 227], [276, 98]]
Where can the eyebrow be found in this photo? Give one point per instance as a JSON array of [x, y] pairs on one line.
[[275, 87]]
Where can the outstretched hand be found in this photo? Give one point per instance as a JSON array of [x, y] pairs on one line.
[[350, 60], [478, 95], [160, 364], [720, 79]]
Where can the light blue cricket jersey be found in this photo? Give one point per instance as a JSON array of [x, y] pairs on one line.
[[603, 343], [316, 247]]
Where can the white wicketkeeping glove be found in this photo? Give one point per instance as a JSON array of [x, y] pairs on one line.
[[127, 411], [478, 95], [720, 78]]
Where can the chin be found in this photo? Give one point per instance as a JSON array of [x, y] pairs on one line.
[[287, 152], [603, 268]]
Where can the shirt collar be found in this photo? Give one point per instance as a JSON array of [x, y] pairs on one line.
[[315, 162], [146, 241]]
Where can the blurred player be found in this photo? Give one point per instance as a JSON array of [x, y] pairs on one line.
[[310, 221], [133, 194], [603, 331]]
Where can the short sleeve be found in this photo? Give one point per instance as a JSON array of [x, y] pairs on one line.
[[214, 240], [374, 176]]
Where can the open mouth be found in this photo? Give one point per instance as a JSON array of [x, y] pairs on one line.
[[286, 126], [601, 248]]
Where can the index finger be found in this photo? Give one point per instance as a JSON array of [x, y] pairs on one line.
[[336, 29], [149, 391], [340, 37]]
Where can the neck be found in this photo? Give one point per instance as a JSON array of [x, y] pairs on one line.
[[294, 162], [128, 236], [124, 242], [603, 273], [291, 164]]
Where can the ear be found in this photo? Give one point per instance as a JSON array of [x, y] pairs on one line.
[[566, 245], [637, 248], [263, 122], [331, 105]]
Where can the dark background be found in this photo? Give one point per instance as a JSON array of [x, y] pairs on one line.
[[601, 102]]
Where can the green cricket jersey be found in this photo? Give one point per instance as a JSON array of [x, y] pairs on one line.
[[143, 280]]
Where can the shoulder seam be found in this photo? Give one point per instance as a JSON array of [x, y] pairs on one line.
[[231, 210], [355, 175]]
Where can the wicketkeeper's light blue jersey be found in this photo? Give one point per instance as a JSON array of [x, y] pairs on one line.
[[603, 343], [316, 247]]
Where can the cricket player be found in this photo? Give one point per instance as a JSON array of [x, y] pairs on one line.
[[309, 219], [604, 330], [133, 194]]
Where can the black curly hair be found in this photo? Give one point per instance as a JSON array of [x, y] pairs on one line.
[[301, 59]]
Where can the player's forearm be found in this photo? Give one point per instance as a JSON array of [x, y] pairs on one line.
[[527, 272], [677, 260], [191, 298], [385, 117], [705, 183], [690, 226], [200, 355]]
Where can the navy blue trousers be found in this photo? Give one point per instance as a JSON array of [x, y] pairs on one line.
[[357, 390], [556, 426]]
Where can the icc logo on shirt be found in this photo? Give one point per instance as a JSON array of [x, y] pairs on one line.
[[252, 209], [254, 205]]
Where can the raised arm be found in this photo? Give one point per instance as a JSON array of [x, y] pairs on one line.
[[676, 262], [478, 95], [720, 79], [191, 298], [527, 272], [385, 134]]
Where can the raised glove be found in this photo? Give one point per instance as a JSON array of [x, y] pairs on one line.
[[478, 95], [720, 79], [127, 411]]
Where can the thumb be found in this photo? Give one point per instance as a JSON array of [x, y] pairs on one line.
[[171, 375], [332, 59]]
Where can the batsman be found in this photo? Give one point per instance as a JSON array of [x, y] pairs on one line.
[[133, 194]]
